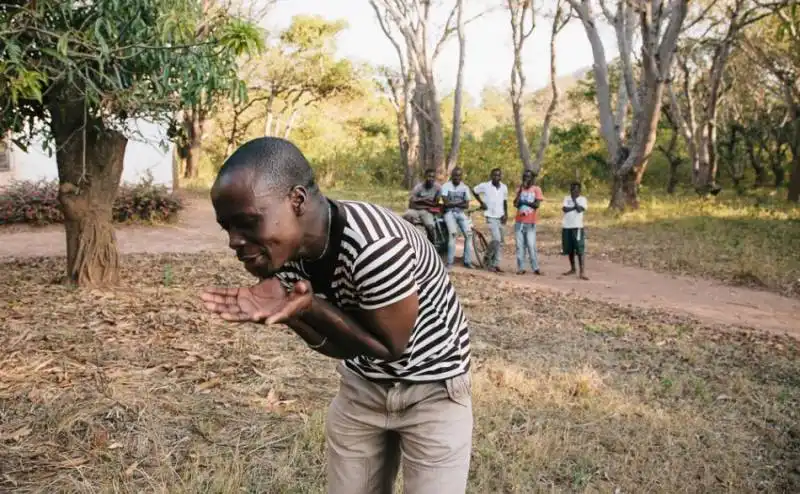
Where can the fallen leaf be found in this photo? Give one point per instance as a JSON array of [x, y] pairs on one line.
[[16, 435], [129, 471], [211, 383]]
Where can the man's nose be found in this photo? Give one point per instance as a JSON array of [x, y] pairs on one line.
[[235, 240]]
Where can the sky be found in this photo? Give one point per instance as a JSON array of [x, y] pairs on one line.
[[489, 52]]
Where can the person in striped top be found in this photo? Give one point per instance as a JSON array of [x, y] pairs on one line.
[[359, 284]]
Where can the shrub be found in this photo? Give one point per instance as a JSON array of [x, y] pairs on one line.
[[37, 203]]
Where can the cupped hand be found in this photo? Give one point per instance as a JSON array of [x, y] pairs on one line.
[[267, 301]]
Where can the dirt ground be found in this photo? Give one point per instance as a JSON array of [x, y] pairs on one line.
[[708, 301]]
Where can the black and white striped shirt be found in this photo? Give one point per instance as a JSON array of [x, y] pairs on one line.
[[381, 259]]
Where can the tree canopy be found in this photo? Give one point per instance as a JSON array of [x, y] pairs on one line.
[[74, 74], [117, 59]]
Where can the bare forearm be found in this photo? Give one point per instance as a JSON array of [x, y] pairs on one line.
[[317, 342], [342, 330]]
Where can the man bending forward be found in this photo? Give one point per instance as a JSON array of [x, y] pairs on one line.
[[359, 284]]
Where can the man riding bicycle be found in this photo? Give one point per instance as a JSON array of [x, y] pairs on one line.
[[423, 203]]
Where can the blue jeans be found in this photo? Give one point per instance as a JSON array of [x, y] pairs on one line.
[[496, 229], [525, 234], [456, 220]]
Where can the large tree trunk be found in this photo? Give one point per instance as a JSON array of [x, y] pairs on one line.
[[436, 126], [625, 191], [90, 161], [193, 123], [455, 138]]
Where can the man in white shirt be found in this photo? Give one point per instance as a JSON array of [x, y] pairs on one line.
[[494, 202], [573, 237], [455, 197]]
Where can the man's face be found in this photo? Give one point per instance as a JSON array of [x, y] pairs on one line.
[[430, 179], [262, 228], [527, 178], [456, 176], [575, 191], [496, 176]]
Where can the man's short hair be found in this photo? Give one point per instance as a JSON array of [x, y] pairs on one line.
[[496, 170], [429, 170], [575, 184], [276, 162]]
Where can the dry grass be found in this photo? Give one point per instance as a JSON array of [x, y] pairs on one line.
[[745, 241], [137, 391]]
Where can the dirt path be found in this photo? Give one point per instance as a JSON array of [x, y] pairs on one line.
[[708, 301]]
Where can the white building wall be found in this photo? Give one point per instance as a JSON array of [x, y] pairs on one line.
[[144, 153]]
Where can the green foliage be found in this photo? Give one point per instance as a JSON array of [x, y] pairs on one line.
[[298, 71], [116, 59], [574, 152], [36, 203]]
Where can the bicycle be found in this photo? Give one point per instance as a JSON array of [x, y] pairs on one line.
[[480, 247]]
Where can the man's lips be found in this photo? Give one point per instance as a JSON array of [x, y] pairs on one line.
[[249, 257]]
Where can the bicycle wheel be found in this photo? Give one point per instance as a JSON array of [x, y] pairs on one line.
[[480, 249]]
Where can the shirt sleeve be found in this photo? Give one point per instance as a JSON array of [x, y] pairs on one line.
[[467, 192], [567, 203], [537, 193], [583, 202], [383, 273], [505, 192]]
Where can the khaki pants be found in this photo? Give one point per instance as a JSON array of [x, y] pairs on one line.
[[372, 426]]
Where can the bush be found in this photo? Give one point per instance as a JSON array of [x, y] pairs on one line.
[[37, 203]]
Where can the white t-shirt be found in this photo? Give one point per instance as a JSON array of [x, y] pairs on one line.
[[493, 197], [574, 219], [452, 193]]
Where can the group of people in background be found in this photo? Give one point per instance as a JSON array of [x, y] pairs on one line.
[[428, 199]]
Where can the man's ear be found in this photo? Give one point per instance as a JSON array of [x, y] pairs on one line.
[[299, 199]]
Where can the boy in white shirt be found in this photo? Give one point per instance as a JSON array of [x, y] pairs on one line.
[[495, 205], [573, 238]]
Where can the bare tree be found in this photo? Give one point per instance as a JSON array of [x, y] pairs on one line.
[[455, 137], [702, 62], [520, 10], [660, 23], [407, 25], [399, 87]]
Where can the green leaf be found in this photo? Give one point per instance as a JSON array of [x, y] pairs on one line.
[[63, 44], [781, 33]]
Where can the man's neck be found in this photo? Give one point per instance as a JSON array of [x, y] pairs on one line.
[[316, 229]]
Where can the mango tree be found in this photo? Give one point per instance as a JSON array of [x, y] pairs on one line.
[[74, 74]]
